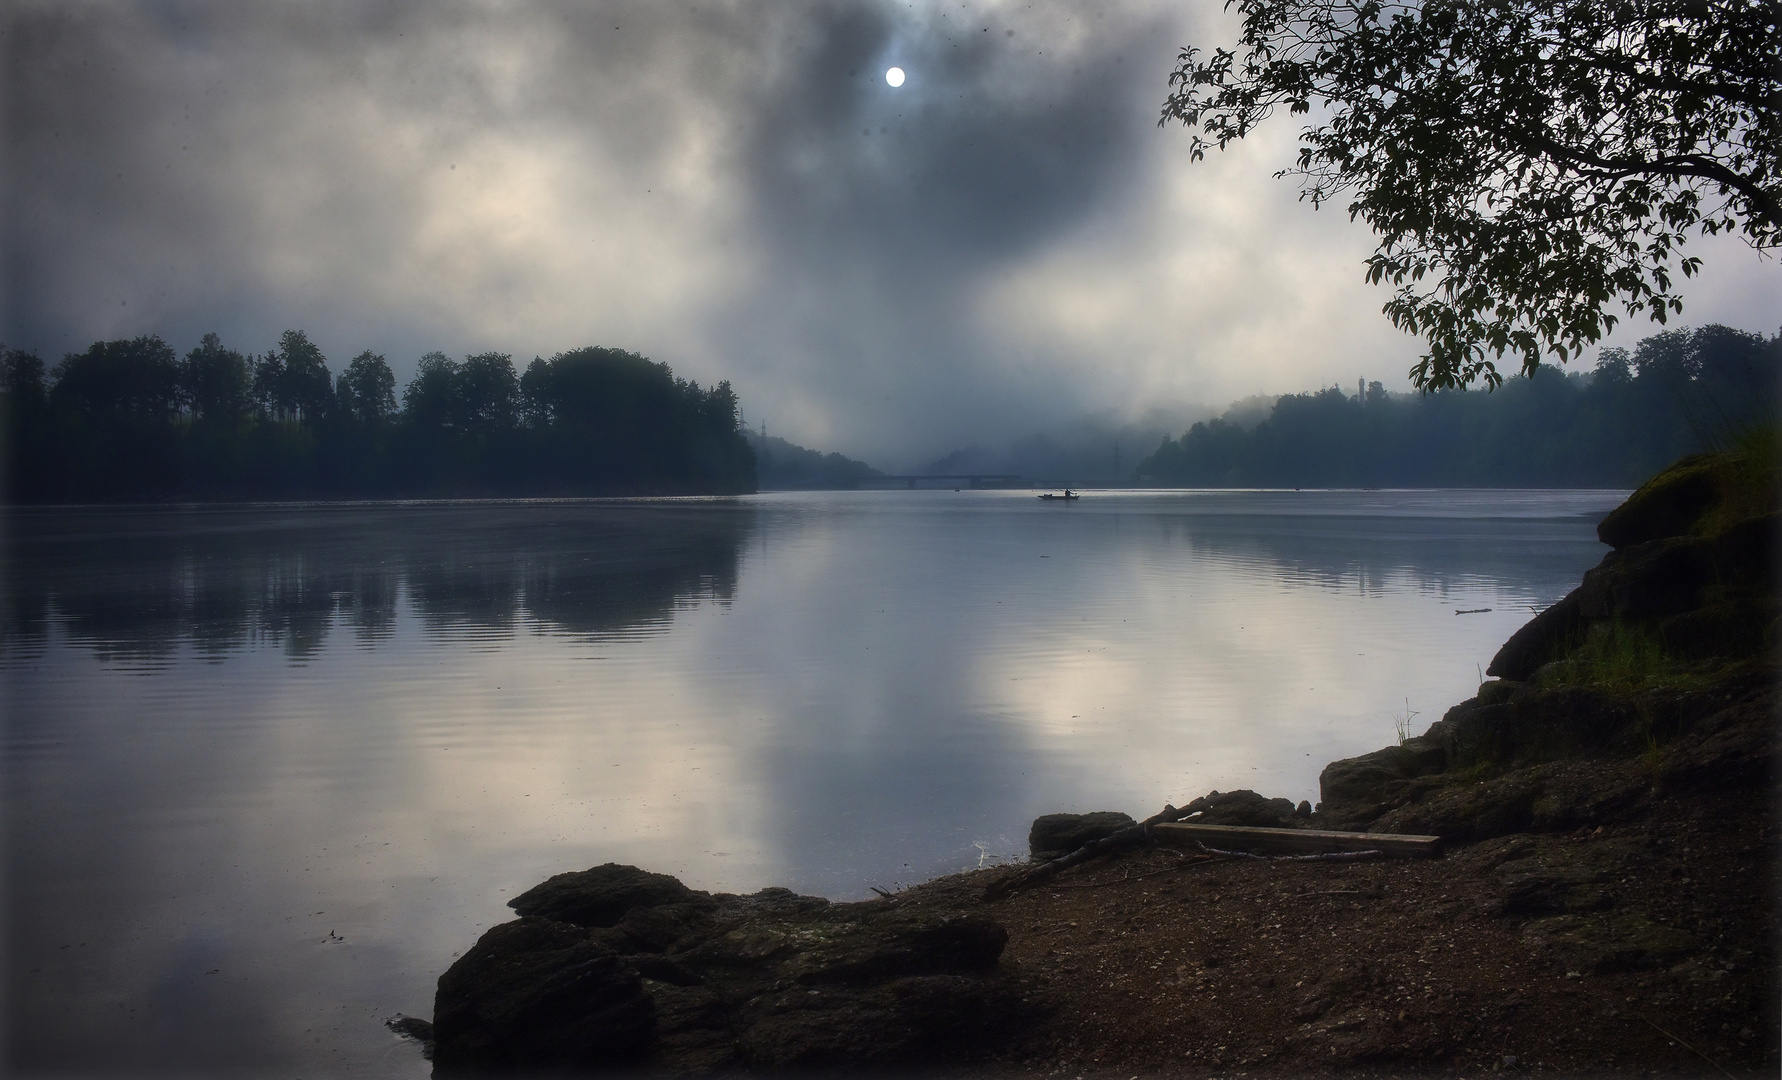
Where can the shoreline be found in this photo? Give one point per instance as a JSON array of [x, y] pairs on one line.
[[1605, 905], [1638, 941]]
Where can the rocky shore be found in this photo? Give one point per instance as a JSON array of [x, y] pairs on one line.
[[1605, 905]]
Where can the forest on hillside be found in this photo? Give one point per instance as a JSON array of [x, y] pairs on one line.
[[131, 419], [785, 466], [1676, 392]]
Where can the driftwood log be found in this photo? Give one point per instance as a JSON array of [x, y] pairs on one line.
[[1294, 841], [1322, 856], [1164, 827]]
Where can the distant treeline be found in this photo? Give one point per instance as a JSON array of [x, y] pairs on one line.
[[784, 465], [130, 420], [1675, 393]]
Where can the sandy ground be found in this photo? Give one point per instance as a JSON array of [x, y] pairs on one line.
[[1645, 947]]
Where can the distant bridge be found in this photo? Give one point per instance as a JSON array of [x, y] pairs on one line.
[[974, 480]]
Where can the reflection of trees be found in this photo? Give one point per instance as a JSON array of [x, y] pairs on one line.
[[24, 616], [371, 602], [136, 585], [450, 592], [636, 583], [1528, 556]]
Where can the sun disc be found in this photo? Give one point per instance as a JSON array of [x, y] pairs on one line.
[[894, 76]]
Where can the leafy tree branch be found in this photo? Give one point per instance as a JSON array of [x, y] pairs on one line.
[[1526, 167]]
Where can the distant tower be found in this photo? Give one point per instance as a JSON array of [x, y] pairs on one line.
[[1360, 390]]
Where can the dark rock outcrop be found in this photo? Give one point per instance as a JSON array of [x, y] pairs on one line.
[[1551, 759], [1247, 808], [1054, 836], [1664, 655], [600, 896], [1358, 789], [1669, 504], [413, 1027], [1543, 638], [661, 976], [1534, 724], [536, 995]]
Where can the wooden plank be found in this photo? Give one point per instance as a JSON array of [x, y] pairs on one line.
[[1292, 841]]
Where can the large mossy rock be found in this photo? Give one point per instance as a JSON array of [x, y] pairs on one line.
[[1523, 758], [658, 976], [1354, 791], [1665, 655], [1669, 504], [1536, 724], [536, 996], [1680, 573], [1244, 807], [1542, 639], [600, 896], [1704, 596], [1053, 836], [1700, 495]]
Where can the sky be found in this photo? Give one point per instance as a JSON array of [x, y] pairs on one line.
[[1005, 243]]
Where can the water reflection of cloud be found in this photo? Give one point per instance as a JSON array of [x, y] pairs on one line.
[[260, 777], [827, 692], [877, 764]]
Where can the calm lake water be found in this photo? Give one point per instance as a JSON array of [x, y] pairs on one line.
[[269, 769]]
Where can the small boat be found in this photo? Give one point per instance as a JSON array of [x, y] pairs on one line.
[[1067, 496]]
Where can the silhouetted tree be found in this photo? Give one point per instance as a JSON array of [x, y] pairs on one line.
[[308, 385], [292, 382], [718, 407], [21, 381], [366, 390], [427, 400], [1677, 391], [127, 420], [138, 378], [24, 408], [268, 386], [1523, 164], [110, 429], [607, 415], [216, 383], [486, 392], [537, 395]]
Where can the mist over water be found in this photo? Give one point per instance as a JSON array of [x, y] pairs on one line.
[[269, 769]]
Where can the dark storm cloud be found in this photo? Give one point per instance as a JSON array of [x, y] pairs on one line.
[[884, 213], [757, 203], [252, 165], [1003, 242], [990, 148]]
